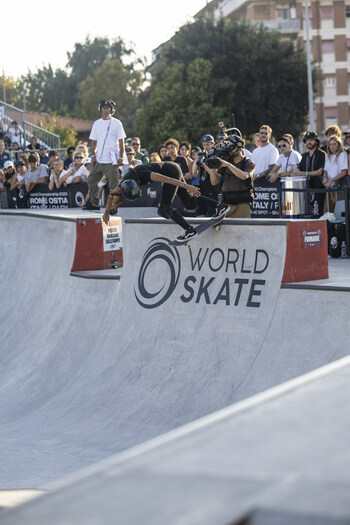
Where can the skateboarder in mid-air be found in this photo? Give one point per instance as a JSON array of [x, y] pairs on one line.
[[170, 175]]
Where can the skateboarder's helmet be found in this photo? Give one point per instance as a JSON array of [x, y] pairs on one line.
[[130, 189]]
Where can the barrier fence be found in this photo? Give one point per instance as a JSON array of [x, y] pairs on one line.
[[269, 201]]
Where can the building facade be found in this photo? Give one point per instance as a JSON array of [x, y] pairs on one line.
[[330, 44]]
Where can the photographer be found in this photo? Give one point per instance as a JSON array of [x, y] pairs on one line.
[[201, 170], [236, 178]]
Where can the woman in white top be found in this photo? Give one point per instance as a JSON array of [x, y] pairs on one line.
[[335, 168], [77, 172], [287, 161], [57, 174]]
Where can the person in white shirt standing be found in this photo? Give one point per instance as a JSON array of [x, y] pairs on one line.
[[107, 151], [335, 168], [266, 155], [288, 160]]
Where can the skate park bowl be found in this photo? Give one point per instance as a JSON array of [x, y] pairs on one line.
[[92, 367]]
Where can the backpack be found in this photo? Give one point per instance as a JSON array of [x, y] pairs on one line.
[[336, 236]]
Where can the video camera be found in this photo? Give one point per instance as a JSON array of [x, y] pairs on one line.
[[224, 146]]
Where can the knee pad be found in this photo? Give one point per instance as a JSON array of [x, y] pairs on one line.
[[165, 212]]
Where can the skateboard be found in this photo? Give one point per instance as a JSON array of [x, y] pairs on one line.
[[202, 227]]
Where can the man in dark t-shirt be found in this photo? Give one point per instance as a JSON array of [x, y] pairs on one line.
[[170, 175], [311, 166], [172, 146], [236, 178]]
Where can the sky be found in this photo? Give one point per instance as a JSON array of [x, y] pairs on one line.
[[42, 32]]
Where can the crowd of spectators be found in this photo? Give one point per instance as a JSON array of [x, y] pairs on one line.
[[24, 166]]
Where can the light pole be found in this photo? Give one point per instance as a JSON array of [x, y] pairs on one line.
[[309, 71]]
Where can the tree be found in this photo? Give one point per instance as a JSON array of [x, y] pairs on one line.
[[180, 105], [254, 74], [111, 80], [67, 134]]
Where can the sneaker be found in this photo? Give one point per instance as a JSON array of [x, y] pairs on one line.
[[221, 211], [90, 207], [187, 235]]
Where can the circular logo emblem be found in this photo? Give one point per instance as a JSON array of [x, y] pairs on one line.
[[79, 198], [158, 275]]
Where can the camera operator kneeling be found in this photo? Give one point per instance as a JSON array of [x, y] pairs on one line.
[[236, 178]]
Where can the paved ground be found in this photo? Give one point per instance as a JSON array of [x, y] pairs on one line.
[[92, 367]]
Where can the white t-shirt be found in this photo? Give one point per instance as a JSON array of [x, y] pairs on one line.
[[264, 157], [287, 162], [106, 133], [333, 166]]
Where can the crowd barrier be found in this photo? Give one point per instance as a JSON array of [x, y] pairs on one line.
[[271, 200]]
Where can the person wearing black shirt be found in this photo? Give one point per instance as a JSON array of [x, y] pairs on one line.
[[170, 175], [311, 165], [172, 146], [201, 170]]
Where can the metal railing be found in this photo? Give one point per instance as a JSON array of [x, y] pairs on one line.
[[44, 137]]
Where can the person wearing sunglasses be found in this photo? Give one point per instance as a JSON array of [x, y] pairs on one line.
[[136, 146], [287, 161], [266, 155], [77, 172]]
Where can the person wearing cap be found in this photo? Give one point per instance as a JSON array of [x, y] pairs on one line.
[[201, 170], [132, 161], [266, 155], [43, 155], [236, 179], [18, 183], [237, 132], [311, 166], [4, 155], [10, 178], [287, 162], [347, 141], [107, 151]]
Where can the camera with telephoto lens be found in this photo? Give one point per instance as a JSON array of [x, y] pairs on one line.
[[224, 146]]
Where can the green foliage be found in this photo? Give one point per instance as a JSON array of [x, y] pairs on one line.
[[12, 91], [111, 80], [179, 105], [49, 90], [253, 73], [67, 134]]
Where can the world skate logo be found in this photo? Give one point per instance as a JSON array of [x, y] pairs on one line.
[[154, 285]]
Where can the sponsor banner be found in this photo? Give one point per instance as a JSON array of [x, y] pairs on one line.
[[235, 277], [112, 238], [70, 197], [265, 203], [311, 238]]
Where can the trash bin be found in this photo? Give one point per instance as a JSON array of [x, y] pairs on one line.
[[294, 203]]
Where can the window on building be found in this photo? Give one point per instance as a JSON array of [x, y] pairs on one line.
[[326, 12], [327, 46], [331, 113], [293, 11], [262, 12], [310, 13], [329, 81], [283, 14], [348, 44], [347, 11]]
